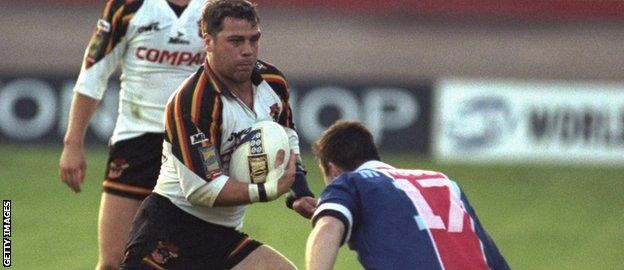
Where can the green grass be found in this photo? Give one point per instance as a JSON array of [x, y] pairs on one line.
[[541, 217]]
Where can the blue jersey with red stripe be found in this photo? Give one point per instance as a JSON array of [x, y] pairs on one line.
[[408, 219]]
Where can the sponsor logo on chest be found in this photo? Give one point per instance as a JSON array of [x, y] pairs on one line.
[[174, 58]]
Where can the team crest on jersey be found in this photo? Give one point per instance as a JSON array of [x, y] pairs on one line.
[[164, 252], [116, 167], [274, 112], [210, 160]]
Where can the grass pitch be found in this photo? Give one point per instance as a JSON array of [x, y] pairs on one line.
[[541, 217]]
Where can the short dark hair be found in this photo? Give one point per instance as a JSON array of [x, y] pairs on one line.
[[216, 11], [347, 144]]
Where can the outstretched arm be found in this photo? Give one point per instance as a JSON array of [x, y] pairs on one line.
[[323, 243]]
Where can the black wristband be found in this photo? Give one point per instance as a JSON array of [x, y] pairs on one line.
[[290, 200], [298, 189], [262, 193]]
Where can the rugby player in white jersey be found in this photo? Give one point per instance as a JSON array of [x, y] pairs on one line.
[[156, 43], [193, 219]]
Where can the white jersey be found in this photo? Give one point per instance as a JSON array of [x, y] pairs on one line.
[[204, 121], [156, 50]]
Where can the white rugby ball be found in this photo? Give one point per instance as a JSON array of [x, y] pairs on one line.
[[255, 155]]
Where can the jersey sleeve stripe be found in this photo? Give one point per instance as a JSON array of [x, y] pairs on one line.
[[197, 98], [181, 132], [212, 77], [168, 121], [215, 125], [114, 24], [285, 118], [170, 110], [107, 8], [275, 79], [126, 19], [215, 86], [188, 125], [328, 209]]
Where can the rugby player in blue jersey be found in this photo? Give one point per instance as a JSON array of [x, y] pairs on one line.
[[393, 218]]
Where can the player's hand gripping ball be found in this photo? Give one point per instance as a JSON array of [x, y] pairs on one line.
[[255, 155]]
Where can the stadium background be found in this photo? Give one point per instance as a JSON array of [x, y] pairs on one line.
[[551, 202]]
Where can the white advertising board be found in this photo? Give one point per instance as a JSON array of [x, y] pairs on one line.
[[528, 121]]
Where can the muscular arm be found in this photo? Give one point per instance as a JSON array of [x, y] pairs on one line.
[[72, 164], [234, 192], [323, 243]]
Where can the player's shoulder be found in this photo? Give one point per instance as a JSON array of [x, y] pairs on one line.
[[360, 180], [274, 77], [346, 179], [133, 5], [267, 69], [125, 6], [127, 3]]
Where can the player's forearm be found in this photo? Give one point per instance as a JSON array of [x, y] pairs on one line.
[[82, 109], [230, 192], [323, 244], [233, 193], [227, 191]]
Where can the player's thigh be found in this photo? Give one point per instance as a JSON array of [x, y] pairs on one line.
[[265, 257], [114, 224]]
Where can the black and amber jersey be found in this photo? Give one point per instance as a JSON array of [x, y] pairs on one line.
[[156, 50], [204, 121]]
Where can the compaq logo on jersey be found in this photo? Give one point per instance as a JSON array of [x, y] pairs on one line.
[[173, 58]]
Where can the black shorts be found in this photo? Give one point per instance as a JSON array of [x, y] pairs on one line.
[[133, 166], [165, 237]]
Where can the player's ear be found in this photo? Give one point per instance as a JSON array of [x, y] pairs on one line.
[[334, 170], [208, 42]]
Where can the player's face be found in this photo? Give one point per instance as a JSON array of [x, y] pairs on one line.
[[234, 50]]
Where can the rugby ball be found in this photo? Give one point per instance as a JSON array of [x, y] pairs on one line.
[[255, 154]]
